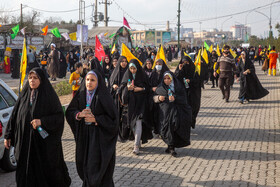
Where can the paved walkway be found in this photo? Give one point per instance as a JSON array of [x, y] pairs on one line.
[[233, 145]]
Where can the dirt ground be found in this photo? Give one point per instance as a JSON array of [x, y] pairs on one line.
[[65, 99]]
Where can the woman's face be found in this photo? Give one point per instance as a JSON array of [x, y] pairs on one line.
[[167, 80], [149, 65], [91, 82], [158, 63], [133, 70], [33, 80], [107, 60], [185, 62], [124, 63], [243, 55], [115, 62]]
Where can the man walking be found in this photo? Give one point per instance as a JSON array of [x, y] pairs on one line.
[[53, 66], [226, 63]]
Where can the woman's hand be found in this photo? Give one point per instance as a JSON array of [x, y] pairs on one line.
[[171, 98], [161, 98], [188, 80], [91, 119], [180, 66], [130, 88], [138, 89], [154, 89], [7, 143], [115, 87], [84, 113], [36, 123]]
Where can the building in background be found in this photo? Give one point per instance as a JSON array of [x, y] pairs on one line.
[[150, 38], [241, 32], [215, 36]]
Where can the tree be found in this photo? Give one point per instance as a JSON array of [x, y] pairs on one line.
[[277, 26]]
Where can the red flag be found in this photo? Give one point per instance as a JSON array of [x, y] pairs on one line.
[[99, 51], [125, 23]]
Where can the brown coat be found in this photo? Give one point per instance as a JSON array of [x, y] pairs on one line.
[[53, 63]]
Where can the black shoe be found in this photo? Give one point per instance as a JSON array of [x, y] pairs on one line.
[[167, 150], [241, 101], [213, 86], [173, 153], [54, 79], [224, 97], [226, 100]]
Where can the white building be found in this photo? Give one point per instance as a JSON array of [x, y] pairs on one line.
[[239, 32]]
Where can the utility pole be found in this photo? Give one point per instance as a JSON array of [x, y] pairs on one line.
[[21, 18], [106, 19], [95, 14], [179, 25], [82, 22]]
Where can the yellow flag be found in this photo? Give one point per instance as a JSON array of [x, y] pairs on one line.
[[218, 50], [73, 36], [113, 49], [160, 55], [198, 62], [23, 64], [126, 52], [205, 56], [233, 53], [32, 47], [187, 55], [211, 49]]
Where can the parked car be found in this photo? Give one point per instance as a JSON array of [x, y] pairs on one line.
[[7, 101]]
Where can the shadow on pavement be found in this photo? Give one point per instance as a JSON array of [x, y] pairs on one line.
[[225, 183]]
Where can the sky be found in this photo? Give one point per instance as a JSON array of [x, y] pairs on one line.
[[153, 14]]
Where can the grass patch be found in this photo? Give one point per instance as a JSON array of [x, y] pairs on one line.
[[63, 88]]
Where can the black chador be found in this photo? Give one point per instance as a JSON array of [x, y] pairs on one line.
[[135, 101], [40, 161], [155, 80], [116, 79], [250, 86], [194, 91], [95, 144], [175, 116]]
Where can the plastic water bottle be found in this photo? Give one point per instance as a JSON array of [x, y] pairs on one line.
[[88, 107], [169, 92], [129, 82], [42, 132], [186, 83]]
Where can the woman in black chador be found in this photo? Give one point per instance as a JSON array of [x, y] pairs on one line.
[[40, 159], [185, 72], [133, 90], [115, 82], [156, 79], [250, 86], [92, 117], [174, 113]]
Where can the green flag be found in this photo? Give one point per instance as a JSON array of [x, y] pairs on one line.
[[269, 47], [112, 35], [206, 46], [15, 31], [56, 32]]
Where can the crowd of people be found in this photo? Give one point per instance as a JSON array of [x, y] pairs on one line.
[[115, 100]]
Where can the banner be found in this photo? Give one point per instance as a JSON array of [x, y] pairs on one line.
[[82, 30], [150, 38]]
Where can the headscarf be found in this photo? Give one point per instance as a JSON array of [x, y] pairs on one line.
[[90, 94], [118, 72], [172, 87]]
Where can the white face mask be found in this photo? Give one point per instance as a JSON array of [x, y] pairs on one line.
[[158, 67]]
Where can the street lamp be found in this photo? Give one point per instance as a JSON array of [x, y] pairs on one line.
[[224, 22]]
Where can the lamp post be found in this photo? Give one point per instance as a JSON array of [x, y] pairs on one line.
[[224, 22]]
